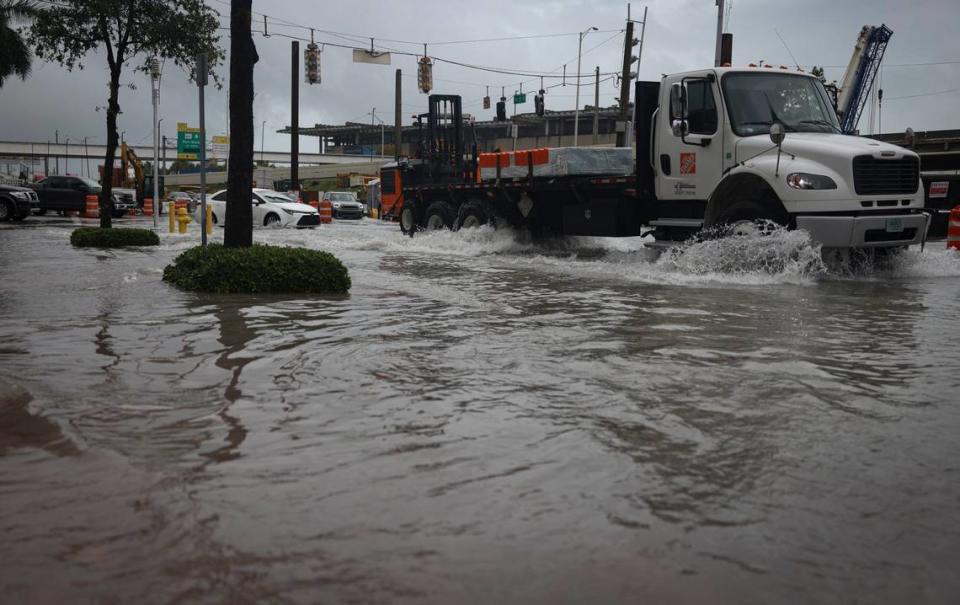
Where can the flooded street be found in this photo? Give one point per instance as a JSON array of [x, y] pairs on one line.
[[481, 420]]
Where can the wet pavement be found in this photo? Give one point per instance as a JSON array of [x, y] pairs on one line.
[[483, 419]]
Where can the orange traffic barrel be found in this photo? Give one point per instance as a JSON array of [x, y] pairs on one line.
[[326, 211], [953, 229], [91, 207], [148, 207]]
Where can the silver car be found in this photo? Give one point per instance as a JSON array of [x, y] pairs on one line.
[[345, 204]]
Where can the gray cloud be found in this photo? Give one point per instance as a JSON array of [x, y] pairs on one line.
[[680, 36]]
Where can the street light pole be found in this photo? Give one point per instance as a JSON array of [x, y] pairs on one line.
[[263, 127], [86, 155], [66, 158], [576, 112], [373, 117]]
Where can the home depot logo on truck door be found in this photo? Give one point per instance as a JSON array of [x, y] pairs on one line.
[[688, 163]]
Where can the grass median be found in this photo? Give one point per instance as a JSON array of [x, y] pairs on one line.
[[115, 237], [258, 269]]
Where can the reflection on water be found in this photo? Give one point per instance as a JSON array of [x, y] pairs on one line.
[[483, 419]]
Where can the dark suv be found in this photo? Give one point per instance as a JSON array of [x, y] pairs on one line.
[[16, 202], [61, 193]]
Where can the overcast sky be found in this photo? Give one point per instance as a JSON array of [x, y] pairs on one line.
[[680, 35]]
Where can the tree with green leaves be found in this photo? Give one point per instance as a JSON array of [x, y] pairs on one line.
[[14, 52], [238, 226], [65, 32]]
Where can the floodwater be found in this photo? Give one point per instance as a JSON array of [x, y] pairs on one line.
[[482, 420]]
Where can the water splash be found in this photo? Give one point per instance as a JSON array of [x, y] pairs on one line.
[[766, 256]]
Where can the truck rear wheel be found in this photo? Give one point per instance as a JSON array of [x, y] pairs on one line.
[[472, 214], [6, 210], [439, 216]]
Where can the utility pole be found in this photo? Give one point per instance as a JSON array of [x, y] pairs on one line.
[[373, 124], [295, 116], [720, 3], [625, 83], [576, 109], [596, 109], [155, 90], [397, 125], [56, 139]]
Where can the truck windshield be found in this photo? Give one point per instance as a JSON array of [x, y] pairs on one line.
[[757, 100]]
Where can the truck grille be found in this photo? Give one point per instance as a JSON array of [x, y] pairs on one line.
[[885, 177]]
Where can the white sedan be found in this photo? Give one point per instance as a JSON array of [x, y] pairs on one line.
[[270, 209]]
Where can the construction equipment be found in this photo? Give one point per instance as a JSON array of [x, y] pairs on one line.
[[861, 72]]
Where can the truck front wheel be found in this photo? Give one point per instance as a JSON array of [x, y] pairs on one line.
[[746, 218], [408, 219]]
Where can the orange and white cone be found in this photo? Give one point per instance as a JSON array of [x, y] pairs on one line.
[[953, 229]]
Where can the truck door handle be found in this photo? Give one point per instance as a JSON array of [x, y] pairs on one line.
[[665, 164]]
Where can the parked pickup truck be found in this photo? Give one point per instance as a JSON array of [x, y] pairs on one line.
[[16, 202], [63, 193]]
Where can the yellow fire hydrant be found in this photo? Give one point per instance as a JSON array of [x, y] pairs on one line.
[[183, 219]]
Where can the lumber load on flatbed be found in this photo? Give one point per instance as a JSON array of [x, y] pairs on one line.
[[560, 161]]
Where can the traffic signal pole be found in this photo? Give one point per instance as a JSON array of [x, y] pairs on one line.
[[295, 117], [625, 85]]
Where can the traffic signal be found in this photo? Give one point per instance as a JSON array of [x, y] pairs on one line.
[[486, 102], [538, 103], [502, 109], [311, 60], [425, 75]]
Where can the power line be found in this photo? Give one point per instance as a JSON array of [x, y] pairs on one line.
[[925, 94]]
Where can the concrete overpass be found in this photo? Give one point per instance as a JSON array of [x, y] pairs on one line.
[[26, 150]]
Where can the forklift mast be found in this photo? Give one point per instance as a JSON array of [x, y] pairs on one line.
[[443, 147]]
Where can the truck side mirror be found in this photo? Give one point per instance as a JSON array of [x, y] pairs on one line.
[[678, 109], [777, 133], [678, 102]]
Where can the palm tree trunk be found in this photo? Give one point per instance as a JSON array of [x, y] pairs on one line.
[[238, 226]]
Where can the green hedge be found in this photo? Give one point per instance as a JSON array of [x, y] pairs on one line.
[[96, 237], [257, 269]]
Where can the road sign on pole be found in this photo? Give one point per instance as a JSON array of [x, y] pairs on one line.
[[188, 142]]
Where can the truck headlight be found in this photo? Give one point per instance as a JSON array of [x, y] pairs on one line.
[[23, 195], [804, 180], [336, 204]]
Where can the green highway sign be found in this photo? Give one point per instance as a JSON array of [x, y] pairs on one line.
[[520, 97], [188, 142]]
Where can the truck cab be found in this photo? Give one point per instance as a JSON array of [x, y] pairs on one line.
[[734, 145]]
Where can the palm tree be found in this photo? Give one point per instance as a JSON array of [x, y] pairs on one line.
[[14, 52]]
